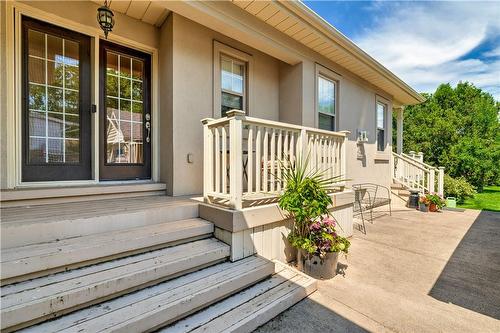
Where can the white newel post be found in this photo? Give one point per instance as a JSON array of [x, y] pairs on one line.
[[432, 179], [420, 157], [441, 181], [207, 158], [235, 158], [343, 159], [399, 134]]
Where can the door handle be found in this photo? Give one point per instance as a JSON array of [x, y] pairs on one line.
[[148, 127]]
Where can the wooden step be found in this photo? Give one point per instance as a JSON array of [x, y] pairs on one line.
[[28, 302], [37, 224], [52, 195], [42, 259], [157, 306], [252, 307]]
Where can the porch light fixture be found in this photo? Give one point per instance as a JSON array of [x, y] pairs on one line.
[[105, 18]]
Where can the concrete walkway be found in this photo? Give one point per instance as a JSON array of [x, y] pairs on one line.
[[412, 272]]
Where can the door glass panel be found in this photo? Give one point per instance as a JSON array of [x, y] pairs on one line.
[[124, 109], [53, 101]]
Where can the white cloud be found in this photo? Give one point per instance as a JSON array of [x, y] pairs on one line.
[[425, 42]]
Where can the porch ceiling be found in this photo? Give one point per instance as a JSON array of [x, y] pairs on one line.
[[147, 11], [302, 24]]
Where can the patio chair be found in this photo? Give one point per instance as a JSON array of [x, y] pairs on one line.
[[368, 196]]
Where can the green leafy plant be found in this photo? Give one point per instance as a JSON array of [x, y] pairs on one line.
[[459, 188], [306, 200], [435, 199]]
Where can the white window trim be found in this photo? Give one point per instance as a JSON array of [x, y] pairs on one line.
[[332, 76], [386, 102], [225, 50], [14, 75]]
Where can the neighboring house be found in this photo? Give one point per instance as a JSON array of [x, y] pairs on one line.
[[85, 118]]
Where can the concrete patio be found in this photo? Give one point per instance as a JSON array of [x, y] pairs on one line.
[[412, 272]]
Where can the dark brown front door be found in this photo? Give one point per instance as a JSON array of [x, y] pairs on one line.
[[125, 115], [56, 127]]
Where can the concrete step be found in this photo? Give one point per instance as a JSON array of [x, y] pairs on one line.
[[32, 301], [37, 224], [252, 307], [162, 304], [30, 261]]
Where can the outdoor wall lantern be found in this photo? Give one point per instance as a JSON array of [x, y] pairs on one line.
[[105, 18]]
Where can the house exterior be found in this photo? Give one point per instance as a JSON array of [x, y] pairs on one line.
[[86, 118]]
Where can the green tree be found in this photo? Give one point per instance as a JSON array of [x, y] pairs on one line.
[[457, 128]]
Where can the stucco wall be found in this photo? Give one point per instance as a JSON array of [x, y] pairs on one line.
[[356, 110], [192, 96]]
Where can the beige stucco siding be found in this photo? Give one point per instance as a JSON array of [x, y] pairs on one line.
[[192, 96]]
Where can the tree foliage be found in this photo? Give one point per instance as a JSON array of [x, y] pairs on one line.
[[457, 128]]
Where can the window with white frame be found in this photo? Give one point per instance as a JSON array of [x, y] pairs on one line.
[[233, 81], [326, 103], [381, 114]]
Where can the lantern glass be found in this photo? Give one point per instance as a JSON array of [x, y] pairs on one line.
[[105, 19]]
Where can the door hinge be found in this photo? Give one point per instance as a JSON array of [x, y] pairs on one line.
[[93, 108]]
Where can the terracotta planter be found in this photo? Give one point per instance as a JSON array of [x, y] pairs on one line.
[[433, 207], [423, 207], [316, 267]]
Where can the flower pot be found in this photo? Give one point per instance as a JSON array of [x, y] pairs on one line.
[[319, 268], [433, 207], [423, 207]]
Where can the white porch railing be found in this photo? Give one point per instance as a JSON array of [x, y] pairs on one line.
[[244, 157], [413, 173]]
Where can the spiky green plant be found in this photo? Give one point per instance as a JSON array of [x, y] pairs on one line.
[[305, 198]]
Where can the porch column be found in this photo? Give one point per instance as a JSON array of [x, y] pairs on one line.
[[399, 134]]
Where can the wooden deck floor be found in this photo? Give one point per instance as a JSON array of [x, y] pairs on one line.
[[90, 208]]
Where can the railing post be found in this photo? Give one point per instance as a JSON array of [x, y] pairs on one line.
[[420, 157], [303, 147], [343, 159], [412, 154], [432, 180], [207, 159], [441, 181], [236, 158]]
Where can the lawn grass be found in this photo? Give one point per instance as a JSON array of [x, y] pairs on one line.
[[489, 199]]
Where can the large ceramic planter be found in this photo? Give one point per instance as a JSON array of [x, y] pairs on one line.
[[316, 267], [423, 207]]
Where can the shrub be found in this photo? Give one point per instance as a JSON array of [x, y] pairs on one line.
[[459, 188]]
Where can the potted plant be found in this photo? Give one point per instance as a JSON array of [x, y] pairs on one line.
[[435, 202], [423, 204], [313, 234]]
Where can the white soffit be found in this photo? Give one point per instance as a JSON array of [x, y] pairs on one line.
[[147, 11], [302, 24]]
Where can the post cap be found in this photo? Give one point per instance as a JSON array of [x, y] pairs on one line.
[[205, 121], [235, 113], [346, 132], [441, 168]]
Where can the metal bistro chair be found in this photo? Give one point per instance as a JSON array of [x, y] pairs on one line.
[[368, 196]]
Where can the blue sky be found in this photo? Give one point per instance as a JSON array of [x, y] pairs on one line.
[[424, 42]]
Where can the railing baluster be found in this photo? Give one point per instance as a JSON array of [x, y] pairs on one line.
[[266, 156], [273, 154], [224, 169], [218, 153], [258, 160], [249, 161], [279, 161]]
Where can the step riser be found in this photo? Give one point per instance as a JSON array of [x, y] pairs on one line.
[[17, 234], [46, 308]]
